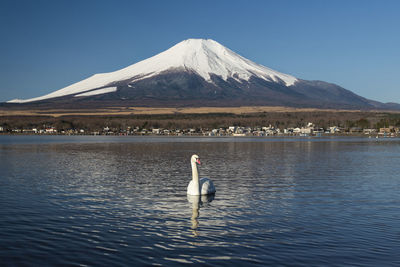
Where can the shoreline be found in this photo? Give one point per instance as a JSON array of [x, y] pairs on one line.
[[208, 136]]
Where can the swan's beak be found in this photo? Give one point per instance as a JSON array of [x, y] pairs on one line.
[[198, 161]]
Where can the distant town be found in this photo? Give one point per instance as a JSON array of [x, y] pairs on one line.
[[310, 129]]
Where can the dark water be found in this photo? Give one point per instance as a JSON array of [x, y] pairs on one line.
[[121, 201]]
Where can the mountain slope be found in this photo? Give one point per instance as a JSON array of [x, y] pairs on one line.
[[202, 73]]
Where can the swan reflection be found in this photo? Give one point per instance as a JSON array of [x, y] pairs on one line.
[[198, 202]]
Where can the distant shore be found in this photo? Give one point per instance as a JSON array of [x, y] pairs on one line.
[[201, 121], [376, 135]]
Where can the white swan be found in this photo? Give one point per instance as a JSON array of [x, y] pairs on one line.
[[197, 187]]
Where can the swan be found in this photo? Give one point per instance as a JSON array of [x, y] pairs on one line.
[[197, 187]]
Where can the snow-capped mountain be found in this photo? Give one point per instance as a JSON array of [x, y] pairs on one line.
[[203, 57], [201, 72]]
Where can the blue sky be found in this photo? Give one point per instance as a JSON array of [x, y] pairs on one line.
[[47, 45]]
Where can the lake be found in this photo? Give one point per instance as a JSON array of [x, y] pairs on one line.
[[121, 201]]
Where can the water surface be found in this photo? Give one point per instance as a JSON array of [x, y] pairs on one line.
[[121, 201]]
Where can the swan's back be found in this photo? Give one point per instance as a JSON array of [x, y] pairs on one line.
[[206, 187]]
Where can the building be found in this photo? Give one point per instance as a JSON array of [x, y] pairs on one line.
[[156, 131], [232, 129], [369, 131], [334, 129], [384, 130], [51, 130]]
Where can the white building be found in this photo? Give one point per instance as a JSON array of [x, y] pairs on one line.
[[232, 129], [369, 131], [156, 131], [334, 129], [296, 130], [51, 130], [306, 130]]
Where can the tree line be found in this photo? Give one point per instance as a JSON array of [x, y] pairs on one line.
[[282, 120]]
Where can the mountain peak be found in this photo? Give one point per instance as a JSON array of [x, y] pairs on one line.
[[206, 57], [199, 42]]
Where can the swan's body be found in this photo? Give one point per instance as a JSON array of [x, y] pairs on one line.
[[203, 186]]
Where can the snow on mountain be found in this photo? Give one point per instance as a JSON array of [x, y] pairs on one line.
[[98, 91], [200, 56]]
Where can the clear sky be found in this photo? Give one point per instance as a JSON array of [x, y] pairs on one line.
[[46, 45]]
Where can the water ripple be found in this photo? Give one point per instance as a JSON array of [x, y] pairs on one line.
[[123, 202]]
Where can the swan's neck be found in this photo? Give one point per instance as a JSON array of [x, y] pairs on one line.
[[195, 176]]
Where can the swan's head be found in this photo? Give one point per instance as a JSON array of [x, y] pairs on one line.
[[196, 159]]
